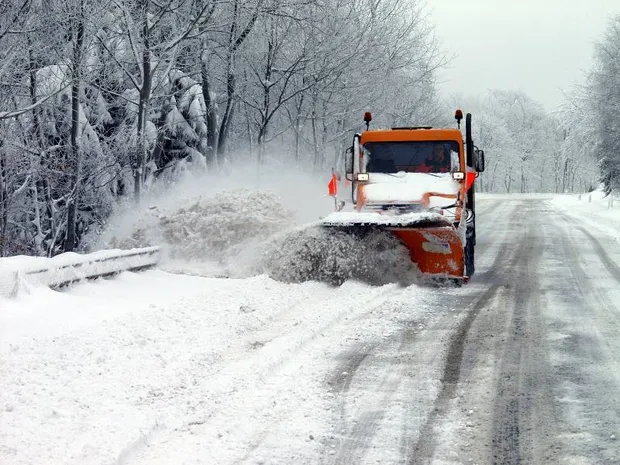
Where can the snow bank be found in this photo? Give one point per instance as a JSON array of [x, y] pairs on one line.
[[241, 233], [595, 210], [213, 228], [22, 272], [218, 224]]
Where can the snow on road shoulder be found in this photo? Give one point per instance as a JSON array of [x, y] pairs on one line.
[[82, 370], [39, 313], [594, 209], [88, 375]]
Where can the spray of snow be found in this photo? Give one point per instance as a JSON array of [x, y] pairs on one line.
[[334, 256], [257, 223]]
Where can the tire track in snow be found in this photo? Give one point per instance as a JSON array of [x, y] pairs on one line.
[[424, 448], [520, 387], [488, 210], [247, 372], [490, 244], [498, 274], [612, 268], [541, 418], [587, 351], [523, 415], [355, 443], [340, 379], [510, 308], [359, 430]]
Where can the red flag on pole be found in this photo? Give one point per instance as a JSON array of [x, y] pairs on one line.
[[470, 176], [333, 185]]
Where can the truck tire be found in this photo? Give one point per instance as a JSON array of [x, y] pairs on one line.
[[470, 247]]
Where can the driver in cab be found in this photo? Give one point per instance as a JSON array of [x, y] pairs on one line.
[[437, 162]]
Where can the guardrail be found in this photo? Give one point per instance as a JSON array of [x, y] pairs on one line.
[[69, 268]]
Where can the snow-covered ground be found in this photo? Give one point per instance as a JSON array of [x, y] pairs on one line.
[[595, 209], [164, 367], [93, 374]]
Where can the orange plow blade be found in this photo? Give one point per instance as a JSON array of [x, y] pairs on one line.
[[438, 251], [433, 241]]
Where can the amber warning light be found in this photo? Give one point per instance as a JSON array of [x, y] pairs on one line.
[[458, 115], [367, 119]]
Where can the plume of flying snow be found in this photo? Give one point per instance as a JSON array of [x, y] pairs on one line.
[[257, 222]]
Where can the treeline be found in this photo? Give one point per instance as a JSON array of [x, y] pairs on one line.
[[100, 100], [529, 149], [593, 113]]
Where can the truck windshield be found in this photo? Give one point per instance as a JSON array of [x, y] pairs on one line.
[[415, 157]]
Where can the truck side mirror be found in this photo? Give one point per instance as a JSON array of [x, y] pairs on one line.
[[348, 163], [351, 158], [479, 160]]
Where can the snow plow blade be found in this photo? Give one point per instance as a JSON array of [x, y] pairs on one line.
[[433, 242]]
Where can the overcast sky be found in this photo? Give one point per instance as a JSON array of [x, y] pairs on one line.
[[539, 46]]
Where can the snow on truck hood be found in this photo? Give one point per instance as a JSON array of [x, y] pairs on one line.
[[389, 220], [407, 187]]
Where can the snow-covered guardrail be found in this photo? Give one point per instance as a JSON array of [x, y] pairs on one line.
[[68, 268]]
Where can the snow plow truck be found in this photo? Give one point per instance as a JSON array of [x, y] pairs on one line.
[[418, 184]]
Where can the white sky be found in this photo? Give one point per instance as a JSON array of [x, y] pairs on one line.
[[542, 47]]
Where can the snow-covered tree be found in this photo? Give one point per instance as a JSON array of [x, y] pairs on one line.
[[101, 100], [603, 105]]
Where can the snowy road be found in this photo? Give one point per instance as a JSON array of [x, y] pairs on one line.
[[520, 366]]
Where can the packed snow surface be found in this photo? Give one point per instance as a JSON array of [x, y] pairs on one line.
[[95, 374]]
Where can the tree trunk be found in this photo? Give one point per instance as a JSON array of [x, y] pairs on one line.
[[4, 203], [234, 42], [298, 108], [226, 117], [42, 183], [565, 176], [248, 123], [74, 198], [212, 132], [315, 140], [261, 144], [139, 168]]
